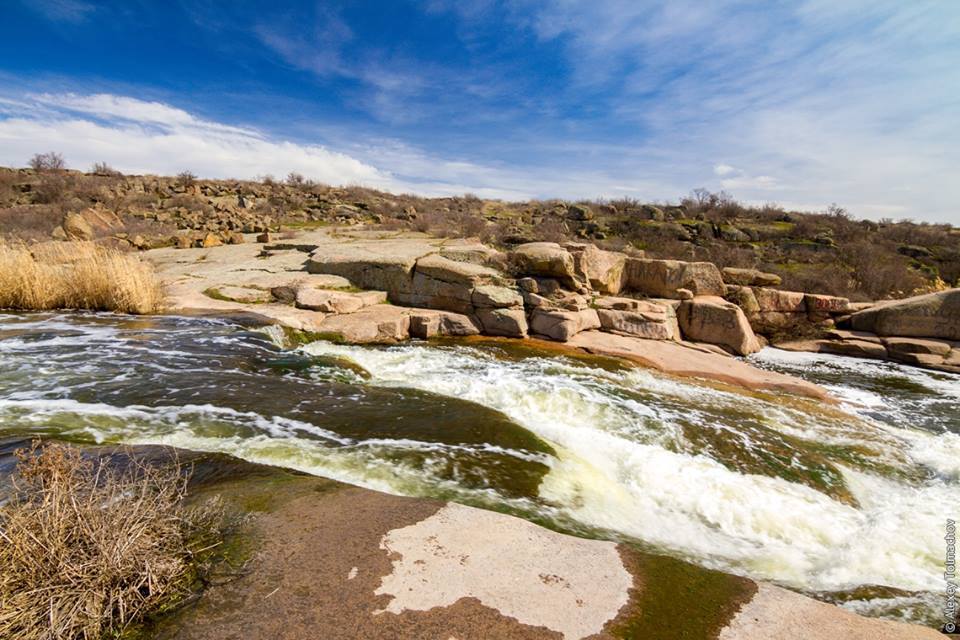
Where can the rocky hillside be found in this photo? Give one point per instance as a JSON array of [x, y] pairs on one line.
[[829, 252]]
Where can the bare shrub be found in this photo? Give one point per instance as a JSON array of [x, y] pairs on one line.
[[297, 181], [87, 550], [51, 188], [30, 222], [891, 277], [8, 191], [104, 169], [186, 178], [552, 229], [451, 224], [50, 161], [76, 275], [731, 255]]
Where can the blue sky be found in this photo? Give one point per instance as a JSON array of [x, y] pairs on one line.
[[805, 102]]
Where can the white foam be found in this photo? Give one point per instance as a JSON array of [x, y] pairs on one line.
[[614, 472]]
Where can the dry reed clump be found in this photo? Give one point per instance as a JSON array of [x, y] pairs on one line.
[[76, 275], [87, 550]]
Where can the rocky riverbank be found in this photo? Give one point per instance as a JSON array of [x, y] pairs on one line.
[[350, 562], [683, 318]]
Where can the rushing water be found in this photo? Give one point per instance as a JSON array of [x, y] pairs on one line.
[[816, 497]]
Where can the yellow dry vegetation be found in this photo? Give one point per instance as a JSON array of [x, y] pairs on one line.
[[76, 275], [89, 549]]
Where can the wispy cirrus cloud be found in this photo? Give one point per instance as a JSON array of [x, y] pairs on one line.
[[818, 101], [74, 11]]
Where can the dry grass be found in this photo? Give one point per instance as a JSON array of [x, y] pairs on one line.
[[76, 275], [87, 550]]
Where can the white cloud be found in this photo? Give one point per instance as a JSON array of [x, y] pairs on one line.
[[151, 137], [723, 169], [139, 136]]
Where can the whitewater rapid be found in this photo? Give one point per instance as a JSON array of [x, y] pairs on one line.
[[817, 497], [613, 470]]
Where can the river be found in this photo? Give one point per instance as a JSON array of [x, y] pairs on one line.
[[815, 497]]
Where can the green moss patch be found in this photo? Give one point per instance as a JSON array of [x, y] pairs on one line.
[[680, 601]]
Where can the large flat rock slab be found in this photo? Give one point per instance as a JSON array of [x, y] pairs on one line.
[[684, 360], [338, 562], [934, 315]]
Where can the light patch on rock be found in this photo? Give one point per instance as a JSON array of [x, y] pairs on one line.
[[352, 574], [541, 578], [777, 613]]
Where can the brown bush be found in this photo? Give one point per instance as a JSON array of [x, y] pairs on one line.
[[8, 192], [76, 275], [891, 277], [87, 550], [104, 169], [50, 161], [30, 222], [52, 188]]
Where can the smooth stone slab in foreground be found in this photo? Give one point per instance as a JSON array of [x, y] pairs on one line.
[[338, 562]]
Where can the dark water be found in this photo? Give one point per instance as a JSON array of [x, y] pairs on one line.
[[773, 488]]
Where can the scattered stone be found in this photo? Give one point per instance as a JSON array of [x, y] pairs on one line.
[[536, 300], [528, 284], [917, 345], [545, 259], [821, 304], [511, 323], [854, 348], [243, 295], [653, 326], [382, 323], [663, 278], [782, 301], [264, 237], [651, 212], [496, 297], [209, 240], [76, 227], [475, 253], [563, 325], [750, 277], [603, 270], [934, 315], [90, 223], [743, 297], [579, 212], [841, 334], [331, 301], [429, 323], [716, 321]]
